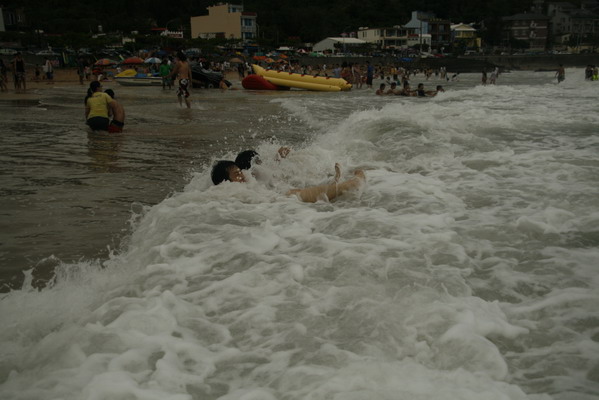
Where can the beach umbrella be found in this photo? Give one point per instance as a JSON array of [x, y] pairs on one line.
[[236, 60], [133, 60], [153, 60], [259, 58], [104, 62]]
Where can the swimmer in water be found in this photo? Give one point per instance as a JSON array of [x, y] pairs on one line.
[[226, 170], [118, 114]]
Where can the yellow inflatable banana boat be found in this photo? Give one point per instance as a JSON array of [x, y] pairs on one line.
[[300, 81]]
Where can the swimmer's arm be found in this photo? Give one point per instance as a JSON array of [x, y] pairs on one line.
[[112, 108], [87, 110]]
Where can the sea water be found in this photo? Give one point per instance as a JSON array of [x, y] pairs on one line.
[[465, 268]]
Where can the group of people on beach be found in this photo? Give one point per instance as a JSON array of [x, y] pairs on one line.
[[18, 68], [247, 161]]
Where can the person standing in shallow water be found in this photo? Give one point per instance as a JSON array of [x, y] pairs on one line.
[[18, 68], [97, 106], [560, 74], [183, 71], [165, 70], [118, 114]]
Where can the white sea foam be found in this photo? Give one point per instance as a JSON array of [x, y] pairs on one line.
[[464, 269]]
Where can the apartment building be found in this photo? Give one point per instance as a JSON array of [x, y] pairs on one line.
[[390, 38], [531, 28], [224, 20], [427, 23]]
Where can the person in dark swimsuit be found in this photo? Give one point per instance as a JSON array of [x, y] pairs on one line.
[[18, 67]]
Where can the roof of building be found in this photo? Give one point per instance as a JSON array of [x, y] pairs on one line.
[[346, 40], [525, 17], [462, 27]]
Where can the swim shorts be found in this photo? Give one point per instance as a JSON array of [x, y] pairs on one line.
[[98, 123], [115, 126], [183, 84]]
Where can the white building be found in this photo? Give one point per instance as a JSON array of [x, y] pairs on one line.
[[395, 37], [343, 43]]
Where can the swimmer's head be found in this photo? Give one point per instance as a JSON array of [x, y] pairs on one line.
[[94, 86], [181, 55], [109, 92], [245, 158], [382, 86], [226, 170]]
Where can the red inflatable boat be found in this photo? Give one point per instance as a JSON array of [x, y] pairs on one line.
[[256, 82]]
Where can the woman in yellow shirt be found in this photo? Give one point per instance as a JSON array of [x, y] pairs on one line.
[[97, 104]]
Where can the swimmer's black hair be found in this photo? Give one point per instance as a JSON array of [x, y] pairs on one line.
[[93, 86], [244, 159], [109, 92], [220, 171]]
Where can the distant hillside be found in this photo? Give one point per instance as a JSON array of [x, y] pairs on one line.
[[307, 20]]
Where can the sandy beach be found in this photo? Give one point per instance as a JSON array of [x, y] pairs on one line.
[[62, 77]]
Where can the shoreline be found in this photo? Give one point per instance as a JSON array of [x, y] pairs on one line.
[[470, 64], [63, 77]]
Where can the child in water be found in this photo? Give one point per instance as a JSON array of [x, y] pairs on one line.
[[226, 170]]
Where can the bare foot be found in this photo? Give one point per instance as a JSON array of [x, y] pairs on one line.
[[284, 151], [337, 172], [360, 174]]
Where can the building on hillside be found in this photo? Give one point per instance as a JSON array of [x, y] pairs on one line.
[[338, 43], [584, 23], [559, 18], [570, 22], [225, 21], [529, 28], [427, 23], [467, 34], [392, 38], [12, 18]]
